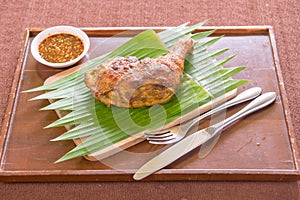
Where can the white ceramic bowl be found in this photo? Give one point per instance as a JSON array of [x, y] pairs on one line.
[[56, 30]]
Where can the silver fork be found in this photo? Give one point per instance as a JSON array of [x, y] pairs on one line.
[[176, 133]]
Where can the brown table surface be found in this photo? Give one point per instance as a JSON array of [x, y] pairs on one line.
[[16, 15]]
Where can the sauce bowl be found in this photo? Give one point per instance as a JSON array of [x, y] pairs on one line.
[[59, 30]]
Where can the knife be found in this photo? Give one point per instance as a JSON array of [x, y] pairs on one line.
[[200, 137]]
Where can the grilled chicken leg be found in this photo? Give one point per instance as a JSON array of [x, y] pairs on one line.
[[131, 83]]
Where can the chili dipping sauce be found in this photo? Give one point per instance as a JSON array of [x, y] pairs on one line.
[[60, 48]]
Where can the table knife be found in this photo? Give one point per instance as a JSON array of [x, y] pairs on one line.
[[200, 137]]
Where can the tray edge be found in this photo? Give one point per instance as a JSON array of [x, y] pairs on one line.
[[285, 103], [13, 94]]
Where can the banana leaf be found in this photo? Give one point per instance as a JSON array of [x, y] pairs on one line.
[[204, 79]]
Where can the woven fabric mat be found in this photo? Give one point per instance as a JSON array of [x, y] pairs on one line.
[[284, 16]]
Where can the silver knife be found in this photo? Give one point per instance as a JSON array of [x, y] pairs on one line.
[[200, 137]]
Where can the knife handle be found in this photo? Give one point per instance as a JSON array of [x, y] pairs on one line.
[[240, 98], [258, 103]]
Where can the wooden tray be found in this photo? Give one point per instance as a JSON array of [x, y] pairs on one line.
[[260, 147]]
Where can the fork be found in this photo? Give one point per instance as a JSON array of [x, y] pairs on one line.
[[176, 133]]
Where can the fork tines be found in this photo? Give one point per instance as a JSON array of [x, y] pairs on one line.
[[162, 135]]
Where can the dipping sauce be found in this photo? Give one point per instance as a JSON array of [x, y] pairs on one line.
[[60, 48]]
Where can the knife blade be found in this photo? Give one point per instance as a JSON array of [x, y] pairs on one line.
[[173, 153]]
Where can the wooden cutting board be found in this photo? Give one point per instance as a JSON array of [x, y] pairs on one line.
[[139, 137]]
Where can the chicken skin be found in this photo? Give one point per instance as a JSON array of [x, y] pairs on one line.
[[131, 83]]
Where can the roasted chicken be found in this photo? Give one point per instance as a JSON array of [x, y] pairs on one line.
[[131, 83]]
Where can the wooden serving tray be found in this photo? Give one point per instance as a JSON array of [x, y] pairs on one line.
[[260, 147]]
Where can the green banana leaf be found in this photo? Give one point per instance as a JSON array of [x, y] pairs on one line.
[[204, 80]]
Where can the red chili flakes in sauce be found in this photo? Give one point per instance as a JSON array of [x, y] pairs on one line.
[[60, 48]]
